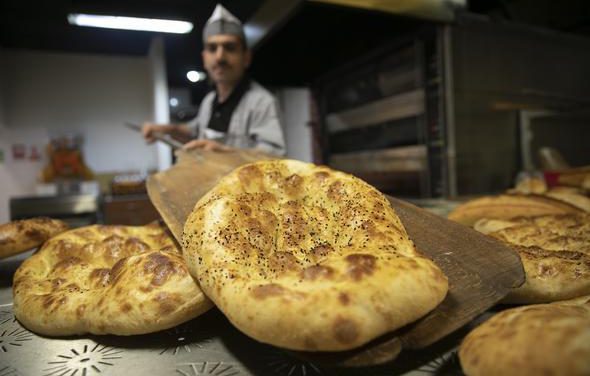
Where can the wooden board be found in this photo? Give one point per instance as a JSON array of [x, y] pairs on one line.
[[175, 191], [481, 270]]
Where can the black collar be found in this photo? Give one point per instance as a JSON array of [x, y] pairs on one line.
[[221, 112]]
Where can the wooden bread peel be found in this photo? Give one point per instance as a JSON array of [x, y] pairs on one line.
[[481, 271]]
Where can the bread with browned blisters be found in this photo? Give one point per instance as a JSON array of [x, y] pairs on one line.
[[307, 258], [22, 235], [120, 280], [546, 339], [555, 252]]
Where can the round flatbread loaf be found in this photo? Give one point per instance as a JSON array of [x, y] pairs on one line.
[[487, 226], [307, 258], [576, 199], [555, 252], [509, 206], [546, 339], [106, 280], [20, 236]]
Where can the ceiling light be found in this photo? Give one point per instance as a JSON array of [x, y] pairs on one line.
[[195, 76], [131, 23]]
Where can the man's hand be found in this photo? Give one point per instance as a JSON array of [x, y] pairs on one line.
[[148, 129], [208, 145]]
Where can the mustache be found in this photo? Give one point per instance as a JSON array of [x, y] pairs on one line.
[[221, 64]]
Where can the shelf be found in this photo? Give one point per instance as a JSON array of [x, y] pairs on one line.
[[387, 109]]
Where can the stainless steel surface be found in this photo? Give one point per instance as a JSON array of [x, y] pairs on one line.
[[21, 207], [207, 345], [7, 268], [190, 349]]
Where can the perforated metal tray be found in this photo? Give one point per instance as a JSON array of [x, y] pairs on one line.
[[207, 345]]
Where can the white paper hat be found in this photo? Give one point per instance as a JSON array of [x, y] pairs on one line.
[[223, 22]]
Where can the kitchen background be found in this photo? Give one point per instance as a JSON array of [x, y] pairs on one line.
[[435, 104]]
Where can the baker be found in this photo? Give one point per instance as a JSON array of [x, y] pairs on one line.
[[238, 112]]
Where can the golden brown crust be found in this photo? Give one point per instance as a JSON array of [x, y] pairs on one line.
[[307, 258], [576, 199], [555, 252], [106, 280], [574, 179], [551, 276], [567, 190], [506, 207], [487, 226], [547, 339], [22, 235]]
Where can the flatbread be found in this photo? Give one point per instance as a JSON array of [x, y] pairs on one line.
[[565, 189], [22, 235], [487, 226], [307, 258], [546, 339], [575, 178], [555, 252], [566, 232], [508, 207], [576, 199], [106, 280]]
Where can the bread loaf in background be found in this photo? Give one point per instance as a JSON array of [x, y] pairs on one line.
[[22, 235], [554, 250], [546, 339], [570, 195], [506, 207]]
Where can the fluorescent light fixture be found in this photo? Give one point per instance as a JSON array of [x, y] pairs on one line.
[[195, 76], [130, 23]]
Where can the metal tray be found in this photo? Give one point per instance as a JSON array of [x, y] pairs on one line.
[[207, 345]]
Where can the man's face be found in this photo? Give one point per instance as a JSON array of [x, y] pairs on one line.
[[225, 58]]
